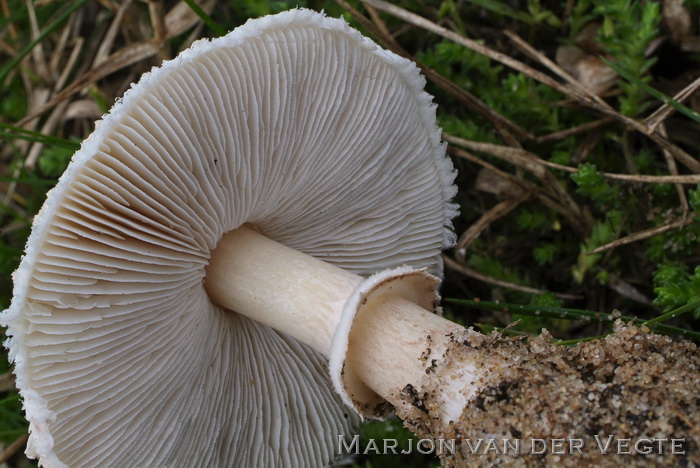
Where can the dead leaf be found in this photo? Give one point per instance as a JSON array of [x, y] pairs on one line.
[[181, 17], [7, 382], [83, 109], [677, 19], [490, 182], [588, 69]]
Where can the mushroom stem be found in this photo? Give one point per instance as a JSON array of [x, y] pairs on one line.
[[280, 287], [392, 341]]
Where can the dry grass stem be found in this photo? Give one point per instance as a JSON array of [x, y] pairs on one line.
[[665, 110], [55, 118], [501, 123], [38, 50], [13, 448], [107, 42], [624, 289], [7, 382], [423, 23], [156, 10], [680, 155], [68, 66], [673, 169], [528, 161], [123, 58], [572, 92], [180, 18], [583, 128], [476, 228], [11, 29], [387, 40], [641, 235], [382, 28], [14, 226], [531, 163], [472, 273], [554, 68], [381, 33], [517, 181], [58, 52], [83, 109], [545, 199]]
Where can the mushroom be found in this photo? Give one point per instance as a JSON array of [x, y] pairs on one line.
[[266, 173]]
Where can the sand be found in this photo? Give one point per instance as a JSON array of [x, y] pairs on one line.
[[630, 399]]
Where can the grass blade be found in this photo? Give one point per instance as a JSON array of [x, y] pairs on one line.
[[36, 137], [213, 25], [683, 109]]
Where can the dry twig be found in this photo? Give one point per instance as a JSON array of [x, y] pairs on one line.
[[13, 448], [472, 273], [528, 161], [645, 234]]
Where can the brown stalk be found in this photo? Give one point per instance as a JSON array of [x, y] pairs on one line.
[[472, 273], [72, 59], [181, 17], [14, 226], [680, 155], [383, 29], [57, 114], [476, 228], [13, 448], [583, 128], [124, 57], [665, 110], [522, 184], [527, 160], [156, 10], [423, 23], [531, 163], [625, 289], [55, 118], [6, 14], [641, 235], [107, 41], [553, 67], [673, 169], [37, 55], [55, 68], [527, 185]]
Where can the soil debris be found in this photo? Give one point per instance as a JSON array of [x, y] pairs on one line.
[[630, 399]]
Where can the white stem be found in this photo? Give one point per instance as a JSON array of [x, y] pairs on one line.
[[391, 343], [280, 287]]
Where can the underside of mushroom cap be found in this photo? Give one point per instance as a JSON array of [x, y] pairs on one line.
[[294, 123]]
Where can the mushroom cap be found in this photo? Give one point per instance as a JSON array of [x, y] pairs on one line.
[[294, 123]]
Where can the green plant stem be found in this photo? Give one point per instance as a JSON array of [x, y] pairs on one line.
[[579, 340], [22, 134], [213, 25], [680, 107], [672, 314], [576, 314]]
